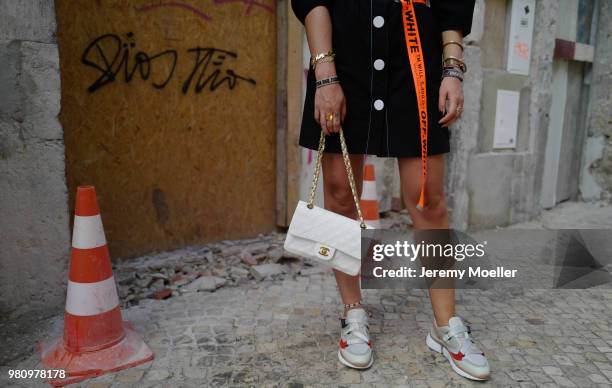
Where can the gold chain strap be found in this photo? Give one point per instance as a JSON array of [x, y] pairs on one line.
[[349, 172]]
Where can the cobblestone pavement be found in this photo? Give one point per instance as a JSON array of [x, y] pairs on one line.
[[284, 332]]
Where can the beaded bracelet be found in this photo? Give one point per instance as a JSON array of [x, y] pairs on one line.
[[327, 81], [452, 72], [349, 306]]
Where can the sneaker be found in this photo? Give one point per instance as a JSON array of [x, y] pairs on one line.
[[454, 342], [355, 345]]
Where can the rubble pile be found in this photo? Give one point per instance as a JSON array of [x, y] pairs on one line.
[[204, 268], [222, 264]]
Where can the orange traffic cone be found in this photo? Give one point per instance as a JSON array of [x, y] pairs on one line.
[[369, 198], [96, 339]]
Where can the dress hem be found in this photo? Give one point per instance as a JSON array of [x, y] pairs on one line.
[[437, 152]]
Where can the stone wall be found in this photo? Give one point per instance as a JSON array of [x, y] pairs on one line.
[[34, 222], [464, 133], [596, 177], [488, 187]]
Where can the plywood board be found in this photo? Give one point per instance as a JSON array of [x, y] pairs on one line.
[[290, 34], [168, 108]]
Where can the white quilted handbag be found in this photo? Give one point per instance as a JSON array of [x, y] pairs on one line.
[[325, 236]]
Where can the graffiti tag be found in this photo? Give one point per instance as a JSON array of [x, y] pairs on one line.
[[115, 59]]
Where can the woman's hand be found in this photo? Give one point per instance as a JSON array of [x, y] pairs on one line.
[[451, 96], [329, 101]]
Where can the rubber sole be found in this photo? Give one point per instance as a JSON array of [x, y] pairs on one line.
[[346, 363], [437, 347]]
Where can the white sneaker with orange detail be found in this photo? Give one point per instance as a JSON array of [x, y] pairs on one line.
[[355, 345], [454, 342]]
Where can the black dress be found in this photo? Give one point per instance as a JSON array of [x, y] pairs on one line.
[[374, 71]]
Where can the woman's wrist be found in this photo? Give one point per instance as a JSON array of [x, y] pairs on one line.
[[327, 81], [452, 72], [452, 53], [325, 70], [453, 49]]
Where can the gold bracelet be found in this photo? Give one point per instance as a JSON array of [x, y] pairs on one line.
[[454, 58], [457, 61], [323, 60], [452, 42], [321, 57]]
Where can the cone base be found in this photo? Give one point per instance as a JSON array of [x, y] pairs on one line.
[[129, 352]]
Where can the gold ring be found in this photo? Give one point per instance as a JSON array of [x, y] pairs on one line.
[[329, 117], [459, 110]]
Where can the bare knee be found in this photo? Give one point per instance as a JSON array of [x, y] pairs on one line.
[[339, 199], [436, 208]]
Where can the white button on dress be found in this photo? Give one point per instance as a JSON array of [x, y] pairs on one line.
[[379, 104], [379, 64], [378, 21]]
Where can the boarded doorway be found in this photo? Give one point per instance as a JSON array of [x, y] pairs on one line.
[[168, 108], [570, 98]]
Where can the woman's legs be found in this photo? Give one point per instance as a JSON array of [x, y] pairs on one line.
[[339, 199], [472, 364], [355, 347], [433, 216]]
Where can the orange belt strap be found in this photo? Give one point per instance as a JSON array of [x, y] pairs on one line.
[[417, 65]]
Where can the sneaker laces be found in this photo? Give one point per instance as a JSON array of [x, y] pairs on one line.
[[462, 335], [355, 332]]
